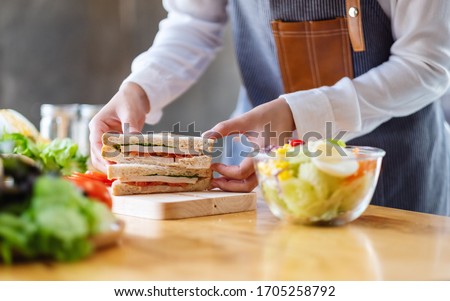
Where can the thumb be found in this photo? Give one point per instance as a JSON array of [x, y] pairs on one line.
[[130, 123], [128, 127]]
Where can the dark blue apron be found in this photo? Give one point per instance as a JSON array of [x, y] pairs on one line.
[[415, 172]]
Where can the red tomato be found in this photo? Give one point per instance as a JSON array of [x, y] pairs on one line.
[[93, 189], [295, 142], [93, 175]]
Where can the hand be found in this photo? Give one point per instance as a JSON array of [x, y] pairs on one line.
[[238, 178], [128, 106], [268, 124]]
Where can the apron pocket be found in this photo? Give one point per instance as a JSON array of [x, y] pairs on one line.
[[312, 54]]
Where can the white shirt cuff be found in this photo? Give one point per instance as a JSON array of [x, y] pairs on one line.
[[337, 105], [311, 111]]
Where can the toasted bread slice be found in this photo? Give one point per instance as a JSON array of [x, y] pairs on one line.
[[185, 144]]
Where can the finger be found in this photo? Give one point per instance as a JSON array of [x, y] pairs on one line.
[[96, 149], [232, 185], [96, 129], [131, 126], [226, 128], [132, 122], [239, 172], [98, 162]]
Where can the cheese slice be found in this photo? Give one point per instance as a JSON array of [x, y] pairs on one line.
[[165, 179]]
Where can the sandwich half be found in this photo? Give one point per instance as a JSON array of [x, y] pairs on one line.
[[157, 163], [158, 149], [145, 178]]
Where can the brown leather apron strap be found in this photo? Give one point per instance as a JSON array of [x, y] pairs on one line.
[[354, 23]]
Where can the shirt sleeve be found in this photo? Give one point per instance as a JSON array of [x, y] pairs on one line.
[[416, 74], [187, 41]]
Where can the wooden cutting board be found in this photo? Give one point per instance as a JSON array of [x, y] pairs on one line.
[[184, 204]]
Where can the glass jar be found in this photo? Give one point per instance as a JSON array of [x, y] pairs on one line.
[[59, 121], [87, 111]]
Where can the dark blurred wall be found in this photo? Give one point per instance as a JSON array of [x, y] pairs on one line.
[[79, 51]]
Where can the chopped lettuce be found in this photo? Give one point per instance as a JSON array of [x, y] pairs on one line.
[[337, 142], [322, 183], [60, 155], [295, 188], [313, 201]]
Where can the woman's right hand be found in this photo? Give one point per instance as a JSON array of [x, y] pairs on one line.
[[128, 107]]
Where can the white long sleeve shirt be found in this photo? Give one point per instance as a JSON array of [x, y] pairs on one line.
[[416, 74]]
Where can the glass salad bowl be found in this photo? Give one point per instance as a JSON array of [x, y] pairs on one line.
[[319, 183]]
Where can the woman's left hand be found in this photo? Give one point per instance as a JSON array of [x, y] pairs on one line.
[[268, 124]]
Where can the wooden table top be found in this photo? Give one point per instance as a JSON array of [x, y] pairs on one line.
[[383, 244]]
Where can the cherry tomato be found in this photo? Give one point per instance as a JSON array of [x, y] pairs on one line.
[[295, 142], [93, 189], [95, 176]]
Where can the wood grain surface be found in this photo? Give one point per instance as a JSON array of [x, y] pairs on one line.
[[383, 244]]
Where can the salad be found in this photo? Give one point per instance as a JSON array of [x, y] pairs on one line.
[[318, 182], [44, 216], [49, 206]]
